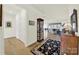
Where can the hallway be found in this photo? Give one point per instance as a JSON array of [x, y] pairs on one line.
[[21, 22]]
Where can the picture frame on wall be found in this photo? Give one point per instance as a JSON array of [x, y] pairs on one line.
[[31, 22], [8, 24], [74, 21]]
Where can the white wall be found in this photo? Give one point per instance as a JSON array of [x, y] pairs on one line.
[[9, 32], [17, 16], [45, 31], [31, 31], [24, 31], [1, 42], [8, 15], [32, 14], [21, 26]]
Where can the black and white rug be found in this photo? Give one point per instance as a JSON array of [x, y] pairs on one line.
[[50, 47]]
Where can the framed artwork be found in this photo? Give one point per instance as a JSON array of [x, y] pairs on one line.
[[74, 21], [31, 22], [8, 24], [0, 14]]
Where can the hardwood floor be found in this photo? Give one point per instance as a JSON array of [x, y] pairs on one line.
[[14, 46]]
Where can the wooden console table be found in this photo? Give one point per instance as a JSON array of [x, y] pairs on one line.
[[69, 45]]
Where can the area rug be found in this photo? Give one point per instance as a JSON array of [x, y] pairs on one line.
[[50, 47]]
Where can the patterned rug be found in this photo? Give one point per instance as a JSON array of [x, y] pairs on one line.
[[50, 47]]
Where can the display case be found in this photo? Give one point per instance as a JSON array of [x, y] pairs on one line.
[[40, 29]]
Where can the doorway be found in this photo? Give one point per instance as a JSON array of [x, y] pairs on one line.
[[40, 29]]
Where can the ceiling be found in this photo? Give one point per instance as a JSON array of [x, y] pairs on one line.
[[11, 9], [52, 11]]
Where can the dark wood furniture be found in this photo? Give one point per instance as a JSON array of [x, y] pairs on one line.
[[69, 45], [74, 21], [0, 15], [40, 30]]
